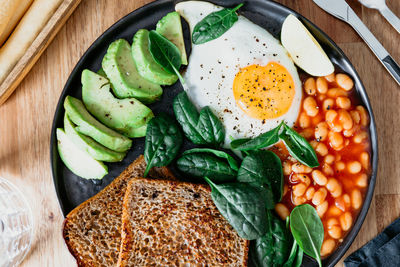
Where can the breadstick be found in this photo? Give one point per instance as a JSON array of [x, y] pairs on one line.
[[27, 30], [14, 19]]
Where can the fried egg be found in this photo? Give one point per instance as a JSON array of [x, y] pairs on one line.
[[245, 76]]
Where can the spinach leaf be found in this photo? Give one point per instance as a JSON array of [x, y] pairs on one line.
[[307, 230], [295, 257], [214, 25], [242, 206], [210, 127], [272, 248], [263, 168], [221, 154], [201, 129], [162, 143], [217, 165], [298, 147], [165, 53], [264, 140]]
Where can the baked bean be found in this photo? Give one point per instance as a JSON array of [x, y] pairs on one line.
[[319, 178], [327, 247], [335, 232], [328, 104], [336, 140], [329, 159], [346, 199], [322, 208], [334, 187], [336, 92], [310, 106], [356, 199], [346, 220], [355, 116], [354, 167], [310, 193], [338, 157], [339, 203], [348, 133], [363, 115], [317, 119], [344, 81], [314, 144], [330, 116], [334, 211], [304, 120], [298, 200], [287, 167], [300, 168], [299, 189], [282, 211], [343, 102], [327, 169], [331, 77], [307, 133], [310, 86], [331, 222], [304, 179], [321, 149], [364, 159], [336, 127], [358, 138], [321, 131], [319, 196], [340, 166], [322, 85], [362, 180], [345, 119]]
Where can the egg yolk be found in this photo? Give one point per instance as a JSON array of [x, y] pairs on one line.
[[264, 92]]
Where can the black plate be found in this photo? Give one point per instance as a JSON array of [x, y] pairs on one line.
[[72, 190]]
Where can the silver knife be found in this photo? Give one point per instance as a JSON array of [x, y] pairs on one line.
[[341, 10]]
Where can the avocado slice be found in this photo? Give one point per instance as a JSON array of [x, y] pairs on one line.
[[78, 161], [145, 64], [170, 27], [127, 116], [120, 68], [87, 144], [89, 126]]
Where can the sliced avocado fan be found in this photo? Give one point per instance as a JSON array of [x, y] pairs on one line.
[[145, 64], [89, 126], [127, 116], [120, 68], [78, 161], [170, 27], [87, 144]]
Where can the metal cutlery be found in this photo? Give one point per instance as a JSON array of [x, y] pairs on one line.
[[381, 6], [341, 10]]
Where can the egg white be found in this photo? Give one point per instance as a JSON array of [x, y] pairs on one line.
[[213, 65]]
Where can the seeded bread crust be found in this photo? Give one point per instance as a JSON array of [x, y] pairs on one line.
[[171, 223], [92, 230]]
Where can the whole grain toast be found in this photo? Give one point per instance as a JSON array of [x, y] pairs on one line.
[[171, 223], [92, 230]]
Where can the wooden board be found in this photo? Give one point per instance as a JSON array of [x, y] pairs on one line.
[[38, 46], [25, 119]]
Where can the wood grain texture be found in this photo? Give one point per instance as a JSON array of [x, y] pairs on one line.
[[39, 45], [25, 119]]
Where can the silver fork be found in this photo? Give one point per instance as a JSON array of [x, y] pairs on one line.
[[381, 6], [341, 10]]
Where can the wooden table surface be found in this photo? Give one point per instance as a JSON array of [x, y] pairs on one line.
[[26, 118]]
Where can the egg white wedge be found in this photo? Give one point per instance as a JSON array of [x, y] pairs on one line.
[[304, 50]]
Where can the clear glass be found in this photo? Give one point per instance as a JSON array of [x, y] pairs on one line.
[[16, 225]]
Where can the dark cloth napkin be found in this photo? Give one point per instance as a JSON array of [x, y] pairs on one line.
[[383, 250]]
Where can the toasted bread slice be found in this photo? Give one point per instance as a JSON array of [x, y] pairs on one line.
[[171, 223], [92, 230]]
